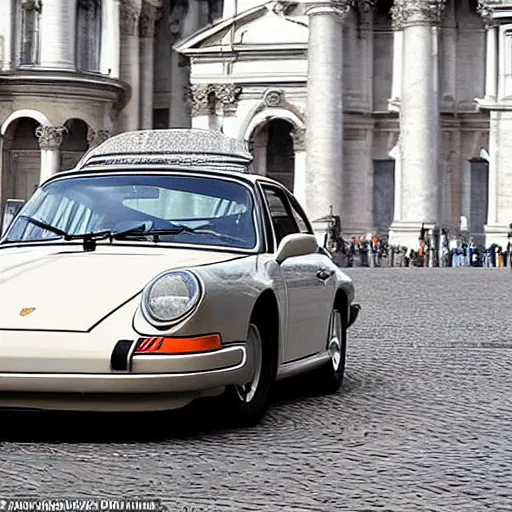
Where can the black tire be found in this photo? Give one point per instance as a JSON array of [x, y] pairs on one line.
[[329, 377], [243, 413]]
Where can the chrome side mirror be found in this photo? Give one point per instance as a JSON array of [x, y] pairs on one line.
[[11, 209]]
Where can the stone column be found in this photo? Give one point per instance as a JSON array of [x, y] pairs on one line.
[[148, 18], [299, 174], [50, 139], [491, 62], [324, 109], [110, 38], [58, 34], [129, 117], [419, 120]]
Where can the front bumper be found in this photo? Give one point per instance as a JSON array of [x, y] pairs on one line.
[[149, 374]]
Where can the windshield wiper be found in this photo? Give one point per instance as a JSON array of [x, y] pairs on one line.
[[91, 238], [44, 225], [178, 230]]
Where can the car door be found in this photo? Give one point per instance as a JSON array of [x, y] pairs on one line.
[[309, 292]]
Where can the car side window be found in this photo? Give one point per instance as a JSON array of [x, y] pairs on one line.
[[282, 219], [299, 216]]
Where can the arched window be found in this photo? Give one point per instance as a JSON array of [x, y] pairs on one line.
[[30, 17], [88, 35]]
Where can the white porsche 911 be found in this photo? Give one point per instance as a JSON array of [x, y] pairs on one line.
[[161, 270]]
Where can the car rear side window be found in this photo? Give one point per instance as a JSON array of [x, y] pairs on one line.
[[282, 219]]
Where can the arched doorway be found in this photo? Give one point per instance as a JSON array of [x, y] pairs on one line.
[[21, 167], [274, 155], [74, 143]]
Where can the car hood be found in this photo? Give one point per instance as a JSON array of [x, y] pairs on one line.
[[72, 290]]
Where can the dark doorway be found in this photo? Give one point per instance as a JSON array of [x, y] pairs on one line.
[[478, 199], [383, 195], [280, 153]]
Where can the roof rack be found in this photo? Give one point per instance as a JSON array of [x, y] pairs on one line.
[[183, 147]]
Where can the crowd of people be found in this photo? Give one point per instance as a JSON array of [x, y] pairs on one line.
[[436, 248]]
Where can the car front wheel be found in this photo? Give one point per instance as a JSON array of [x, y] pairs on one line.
[[247, 404]]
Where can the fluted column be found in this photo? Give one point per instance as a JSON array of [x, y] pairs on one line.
[[110, 38], [58, 34], [129, 117], [324, 111], [148, 17], [419, 119], [50, 140], [299, 174]]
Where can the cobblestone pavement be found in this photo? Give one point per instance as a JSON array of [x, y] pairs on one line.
[[422, 422]]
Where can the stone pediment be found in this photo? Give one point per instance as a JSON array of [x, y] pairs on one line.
[[262, 26]]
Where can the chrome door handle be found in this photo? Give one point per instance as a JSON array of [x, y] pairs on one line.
[[323, 274]]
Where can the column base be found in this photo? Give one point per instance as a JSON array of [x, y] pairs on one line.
[[406, 234], [497, 234]]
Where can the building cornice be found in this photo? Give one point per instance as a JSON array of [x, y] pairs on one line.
[[62, 84]]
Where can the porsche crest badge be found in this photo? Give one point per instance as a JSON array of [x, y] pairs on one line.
[[27, 311]]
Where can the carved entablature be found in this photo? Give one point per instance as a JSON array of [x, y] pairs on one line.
[[50, 137], [299, 139], [208, 99], [416, 12]]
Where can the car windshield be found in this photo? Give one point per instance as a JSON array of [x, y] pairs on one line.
[[172, 208]]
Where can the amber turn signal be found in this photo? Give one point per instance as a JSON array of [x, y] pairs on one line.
[[174, 346]]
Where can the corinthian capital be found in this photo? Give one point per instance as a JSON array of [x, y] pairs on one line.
[[50, 137], [130, 13], [416, 12], [96, 138], [339, 8], [486, 8], [149, 15]]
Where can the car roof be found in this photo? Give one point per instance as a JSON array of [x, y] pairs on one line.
[[173, 150], [150, 168]]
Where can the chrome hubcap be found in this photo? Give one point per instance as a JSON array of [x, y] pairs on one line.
[[246, 392], [335, 336]]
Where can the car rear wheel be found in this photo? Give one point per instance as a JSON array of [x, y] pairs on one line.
[[330, 376], [247, 404]]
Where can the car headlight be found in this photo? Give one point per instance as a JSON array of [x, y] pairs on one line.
[[171, 296]]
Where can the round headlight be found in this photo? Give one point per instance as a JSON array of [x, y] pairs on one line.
[[171, 296]]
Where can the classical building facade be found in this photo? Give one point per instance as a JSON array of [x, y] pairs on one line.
[[393, 113]]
